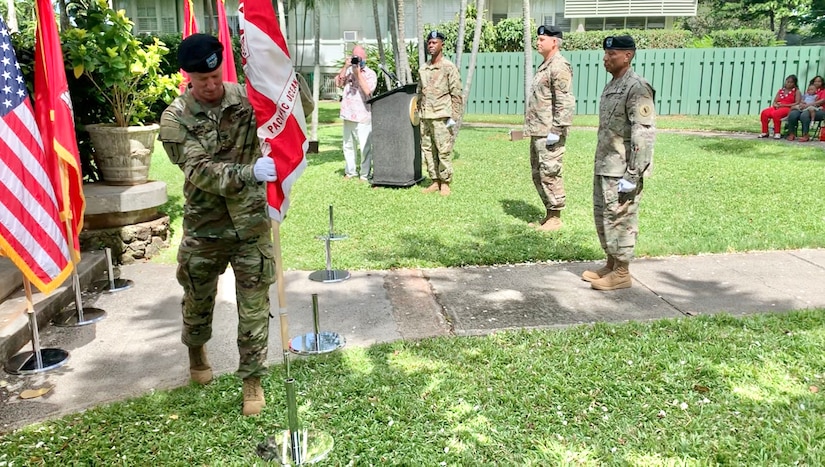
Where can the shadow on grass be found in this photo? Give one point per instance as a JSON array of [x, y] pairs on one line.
[[521, 210], [756, 148]]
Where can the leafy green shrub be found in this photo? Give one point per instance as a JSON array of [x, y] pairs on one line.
[[487, 43], [125, 72], [645, 38], [744, 38], [510, 34]]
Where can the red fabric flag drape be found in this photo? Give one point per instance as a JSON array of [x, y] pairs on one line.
[[190, 26], [32, 234], [229, 73], [273, 90], [55, 118]]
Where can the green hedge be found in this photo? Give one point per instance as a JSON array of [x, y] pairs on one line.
[[645, 39], [744, 38]]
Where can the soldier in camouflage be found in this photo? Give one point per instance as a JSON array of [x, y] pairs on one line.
[[440, 106], [210, 133], [624, 157], [549, 114]]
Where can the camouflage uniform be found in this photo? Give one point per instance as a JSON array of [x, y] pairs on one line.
[[624, 150], [439, 99], [550, 109], [224, 220]]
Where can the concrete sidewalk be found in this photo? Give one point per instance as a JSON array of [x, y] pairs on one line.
[[137, 348]]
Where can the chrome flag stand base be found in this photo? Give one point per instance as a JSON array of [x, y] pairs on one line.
[[318, 342], [81, 316], [112, 285], [329, 274], [38, 360], [296, 445]]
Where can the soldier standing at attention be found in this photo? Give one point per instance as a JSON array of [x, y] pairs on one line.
[[440, 105], [210, 133], [624, 156], [549, 114]]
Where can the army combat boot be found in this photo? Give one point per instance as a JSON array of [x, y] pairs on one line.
[[445, 189], [552, 223], [436, 186], [536, 224], [199, 369], [591, 276], [253, 396], [618, 278]]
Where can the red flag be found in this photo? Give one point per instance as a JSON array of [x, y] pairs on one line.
[[274, 93], [53, 112], [190, 26], [229, 73], [31, 232]]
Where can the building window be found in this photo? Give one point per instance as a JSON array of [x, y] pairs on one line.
[[635, 23], [657, 22], [152, 17], [594, 24], [613, 23]]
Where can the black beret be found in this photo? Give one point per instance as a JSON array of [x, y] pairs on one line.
[[200, 53], [549, 31], [619, 43], [435, 35]]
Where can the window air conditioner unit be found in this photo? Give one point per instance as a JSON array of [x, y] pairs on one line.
[[350, 36]]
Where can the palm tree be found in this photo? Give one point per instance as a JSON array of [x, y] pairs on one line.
[[12, 16], [316, 72], [209, 11], [392, 26], [381, 57], [419, 23], [403, 70], [528, 51], [474, 52], [462, 26]]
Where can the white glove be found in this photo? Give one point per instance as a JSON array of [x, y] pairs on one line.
[[264, 170], [552, 139], [625, 186], [450, 122]]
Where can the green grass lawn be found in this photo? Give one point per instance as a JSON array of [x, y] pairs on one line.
[[710, 390], [698, 391], [707, 195]]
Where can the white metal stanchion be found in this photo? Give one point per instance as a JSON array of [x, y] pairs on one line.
[[318, 342], [112, 285], [329, 274]]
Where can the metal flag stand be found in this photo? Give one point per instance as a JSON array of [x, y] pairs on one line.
[[296, 445], [329, 274], [318, 342], [83, 316], [112, 285], [38, 360]]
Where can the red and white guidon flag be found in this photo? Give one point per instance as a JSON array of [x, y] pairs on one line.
[[273, 90]]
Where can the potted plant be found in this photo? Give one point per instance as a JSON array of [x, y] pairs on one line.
[[126, 75]]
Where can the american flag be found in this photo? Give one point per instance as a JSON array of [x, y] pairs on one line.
[[31, 232], [273, 90]]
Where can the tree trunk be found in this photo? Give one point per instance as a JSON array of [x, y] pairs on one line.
[[382, 59], [419, 23], [783, 28], [462, 27], [64, 16], [316, 72], [474, 53], [281, 18], [12, 16], [404, 64], [528, 51], [392, 26], [209, 11]]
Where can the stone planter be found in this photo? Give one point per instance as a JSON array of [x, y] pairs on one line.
[[123, 154]]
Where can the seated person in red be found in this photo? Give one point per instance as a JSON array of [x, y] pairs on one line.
[[798, 115], [787, 97]]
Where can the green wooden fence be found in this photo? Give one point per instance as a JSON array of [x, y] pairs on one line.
[[735, 81]]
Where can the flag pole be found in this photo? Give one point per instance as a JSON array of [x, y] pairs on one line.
[[83, 316], [38, 360], [279, 278]]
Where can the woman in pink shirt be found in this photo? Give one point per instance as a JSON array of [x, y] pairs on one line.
[[787, 97]]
